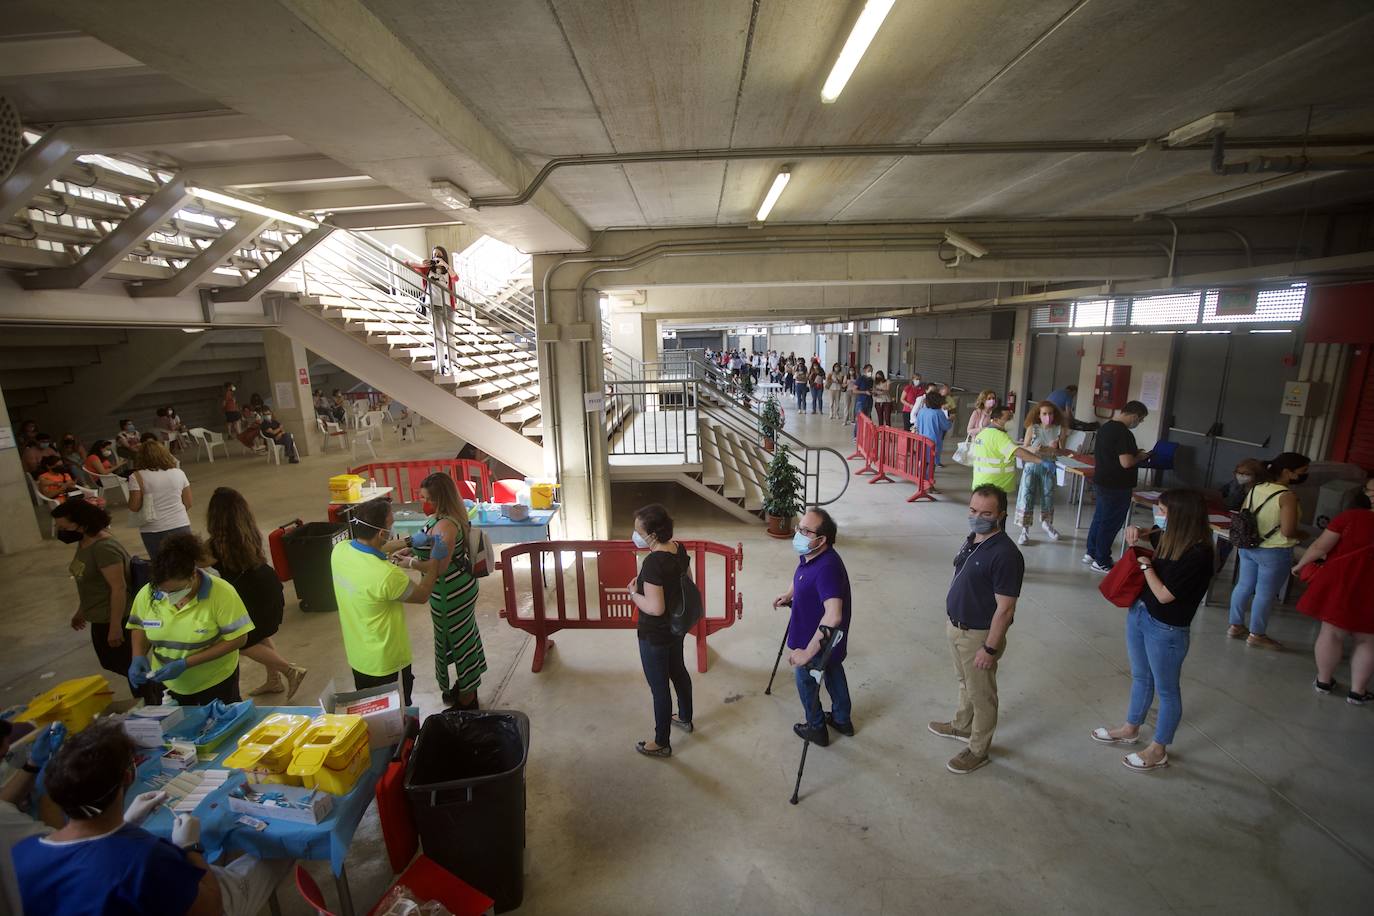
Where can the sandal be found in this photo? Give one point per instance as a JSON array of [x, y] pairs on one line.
[[1103, 736], [665, 751], [1137, 763], [685, 726]]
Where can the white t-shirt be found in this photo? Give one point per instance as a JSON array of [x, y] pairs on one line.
[[15, 825], [164, 489]]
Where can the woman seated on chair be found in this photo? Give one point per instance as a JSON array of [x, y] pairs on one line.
[[102, 460], [55, 482]]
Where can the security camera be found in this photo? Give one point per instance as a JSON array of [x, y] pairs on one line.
[[965, 244]]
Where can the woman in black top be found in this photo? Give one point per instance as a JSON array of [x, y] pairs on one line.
[[657, 591], [1157, 633], [236, 542]]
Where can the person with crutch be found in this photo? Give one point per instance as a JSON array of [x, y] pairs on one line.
[[820, 599]]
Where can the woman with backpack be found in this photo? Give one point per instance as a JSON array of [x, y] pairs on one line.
[[657, 592], [1338, 594], [1157, 624], [1265, 531]]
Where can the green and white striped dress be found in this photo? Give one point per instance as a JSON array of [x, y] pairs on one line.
[[452, 604]]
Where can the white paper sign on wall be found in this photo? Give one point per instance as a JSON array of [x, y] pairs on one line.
[[286, 395], [594, 401]]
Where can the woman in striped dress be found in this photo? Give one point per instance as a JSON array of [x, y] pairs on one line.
[[452, 604]]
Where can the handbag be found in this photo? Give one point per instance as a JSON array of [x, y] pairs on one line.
[[147, 513], [479, 553], [961, 455], [688, 611], [1123, 585]]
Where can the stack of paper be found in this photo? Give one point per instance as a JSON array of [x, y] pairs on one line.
[[187, 791]]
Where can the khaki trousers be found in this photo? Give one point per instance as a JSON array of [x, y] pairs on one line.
[[977, 712]]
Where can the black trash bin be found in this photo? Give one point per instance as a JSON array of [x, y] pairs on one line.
[[308, 548], [466, 786]]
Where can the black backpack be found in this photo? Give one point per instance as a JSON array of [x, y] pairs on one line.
[[689, 610], [1245, 531]]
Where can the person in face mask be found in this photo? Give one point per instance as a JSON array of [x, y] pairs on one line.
[[1263, 570], [862, 387], [100, 570], [1246, 474], [188, 627], [1157, 624], [819, 596], [981, 603], [657, 592], [981, 415]]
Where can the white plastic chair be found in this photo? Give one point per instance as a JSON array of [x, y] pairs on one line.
[[375, 421], [358, 411], [208, 439], [329, 432], [274, 452], [409, 422], [363, 436], [48, 504], [109, 482]]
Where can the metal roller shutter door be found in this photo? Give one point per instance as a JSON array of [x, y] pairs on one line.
[[935, 360], [980, 364]]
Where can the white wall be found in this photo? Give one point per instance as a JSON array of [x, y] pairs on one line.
[[801, 344], [412, 239], [1144, 353]]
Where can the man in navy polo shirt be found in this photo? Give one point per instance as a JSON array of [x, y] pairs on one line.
[[819, 595], [980, 605]]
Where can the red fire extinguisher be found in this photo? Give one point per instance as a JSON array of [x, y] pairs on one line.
[[1011, 399], [277, 547]]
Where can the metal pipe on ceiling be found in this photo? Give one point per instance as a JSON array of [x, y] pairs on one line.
[[900, 150], [1286, 164]]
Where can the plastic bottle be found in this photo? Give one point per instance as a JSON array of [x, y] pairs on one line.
[[371, 482]]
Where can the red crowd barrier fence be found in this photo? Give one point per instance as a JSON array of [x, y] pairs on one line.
[[404, 477], [907, 456], [865, 444], [609, 608]]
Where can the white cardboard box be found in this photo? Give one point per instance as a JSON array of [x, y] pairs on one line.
[[310, 806], [148, 725], [381, 708]]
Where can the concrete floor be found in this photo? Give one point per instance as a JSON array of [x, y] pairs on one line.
[[1265, 809]]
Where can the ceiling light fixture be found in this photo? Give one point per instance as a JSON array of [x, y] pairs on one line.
[[247, 206], [1205, 126], [870, 20], [449, 194], [779, 182]]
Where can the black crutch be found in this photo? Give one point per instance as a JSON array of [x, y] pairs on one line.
[[768, 691], [830, 638]]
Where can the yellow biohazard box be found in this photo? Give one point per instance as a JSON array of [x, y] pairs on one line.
[[265, 752], [346, 488], [332, 754], [542, 495], [74, 703]]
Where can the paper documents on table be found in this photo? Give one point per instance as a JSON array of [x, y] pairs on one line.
[[1150, 495], [1064, 461]]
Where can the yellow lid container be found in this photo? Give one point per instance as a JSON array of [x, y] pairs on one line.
[[340, 780], [346, 487], [267, 747], [329, 741], [74, 703], [542, 494]]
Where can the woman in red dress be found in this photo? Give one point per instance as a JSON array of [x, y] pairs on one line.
[[1341, 596]]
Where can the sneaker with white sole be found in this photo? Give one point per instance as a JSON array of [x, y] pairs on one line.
[[1050, 531], [1086, 558], [1324, 688], [966, 762], [1098, 567], [1359, 699], [1023, 538], [947, 730]]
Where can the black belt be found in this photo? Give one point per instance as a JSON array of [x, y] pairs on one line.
[[966, 627]]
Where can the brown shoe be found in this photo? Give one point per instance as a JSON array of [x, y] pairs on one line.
[[1236, 631], [294, 676], [1260, 641], [947, 730], [965, 762]]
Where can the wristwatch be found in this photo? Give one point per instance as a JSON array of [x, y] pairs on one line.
[[989, 650]]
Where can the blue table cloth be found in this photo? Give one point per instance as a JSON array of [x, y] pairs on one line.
[[220, 831]]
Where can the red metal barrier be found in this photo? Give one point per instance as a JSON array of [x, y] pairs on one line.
[[908, 456], [611, 607], [865, 444], [404, 477]]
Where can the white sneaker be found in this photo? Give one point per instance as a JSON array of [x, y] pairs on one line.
[[1023, 538], [1049, 530], [1086, 558]]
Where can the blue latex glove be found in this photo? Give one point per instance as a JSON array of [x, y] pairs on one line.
[[437, 548], [46, 744], [139, 670], [170, 671], [420, 539]]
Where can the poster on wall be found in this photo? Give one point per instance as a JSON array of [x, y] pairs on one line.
[[1059, 314], [286, 396], [1152, 389]]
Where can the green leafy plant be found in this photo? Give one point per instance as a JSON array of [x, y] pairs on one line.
[[770, 418], [784, 498]]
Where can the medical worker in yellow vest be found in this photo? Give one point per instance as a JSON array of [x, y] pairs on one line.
[[372, 588], [994, 452], [187, 627]]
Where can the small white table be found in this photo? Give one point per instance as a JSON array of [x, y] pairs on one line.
[[367, 493]]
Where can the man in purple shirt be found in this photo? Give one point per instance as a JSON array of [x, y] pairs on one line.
[[820, 597]]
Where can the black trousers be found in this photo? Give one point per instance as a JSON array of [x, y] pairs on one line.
[[226, 690], [361, 681]]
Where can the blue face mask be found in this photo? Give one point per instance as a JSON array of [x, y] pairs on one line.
[[640, 541], [801, 544], [1161, 521]]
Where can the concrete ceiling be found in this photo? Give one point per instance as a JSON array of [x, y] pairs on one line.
[[354, 105]]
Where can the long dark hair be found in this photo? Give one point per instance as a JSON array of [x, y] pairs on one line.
[[1188, 525], [440, 248], [234, 538]]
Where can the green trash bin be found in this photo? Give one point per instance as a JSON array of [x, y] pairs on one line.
[[308, 548]]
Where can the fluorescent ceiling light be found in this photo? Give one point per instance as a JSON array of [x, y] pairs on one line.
[[449, 194], [247, 206], [779, 182], [870, 20], [1202, 127]]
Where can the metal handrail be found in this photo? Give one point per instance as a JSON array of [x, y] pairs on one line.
[[648, 397]]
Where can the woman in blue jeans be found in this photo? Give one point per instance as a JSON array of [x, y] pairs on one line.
[[1157, 624], [862, 387], [657, 591], [1263, 570]]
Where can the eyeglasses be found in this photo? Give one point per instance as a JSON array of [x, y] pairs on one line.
[[809, 532]]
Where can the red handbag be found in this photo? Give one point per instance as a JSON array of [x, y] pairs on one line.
[[1123, 585]]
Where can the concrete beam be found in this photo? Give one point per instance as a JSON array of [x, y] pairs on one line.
[[39, 164], [106, 303], [357, 94], [336, 200], [115, 246], [272, 173], [196, 129], [204, 264], [264, 278], [407, 218], [54, 55]]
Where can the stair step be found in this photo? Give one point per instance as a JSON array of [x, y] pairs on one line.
[[520, 414]]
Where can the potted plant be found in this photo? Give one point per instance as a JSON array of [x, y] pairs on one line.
[[770, 421], [783, 501]]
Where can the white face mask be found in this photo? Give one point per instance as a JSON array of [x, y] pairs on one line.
[[640, 541], [990, 403]]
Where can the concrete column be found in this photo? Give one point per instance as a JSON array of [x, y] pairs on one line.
[[651, 341], [288, 374], [21, 529], [634, 333], [570, 364]]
